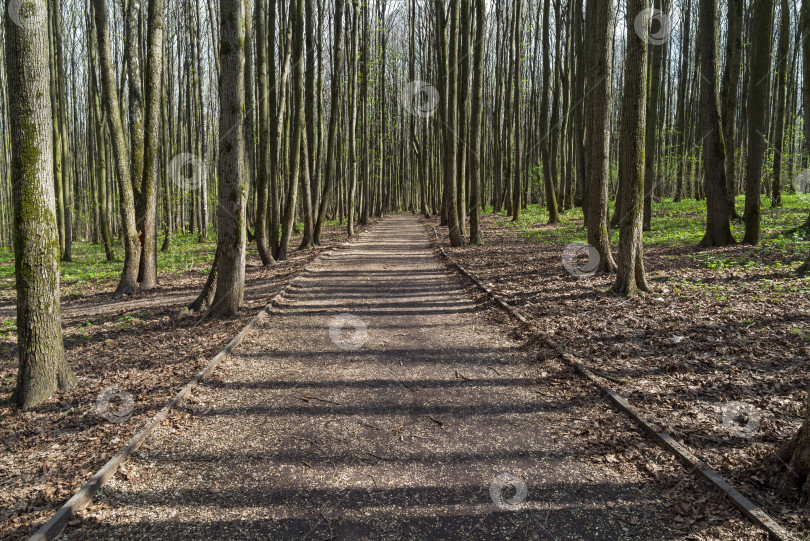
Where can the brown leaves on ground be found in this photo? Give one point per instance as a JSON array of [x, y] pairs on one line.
[[719, 358], [141, 345]]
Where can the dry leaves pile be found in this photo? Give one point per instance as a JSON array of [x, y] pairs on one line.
[[719, 358], [143, 346]]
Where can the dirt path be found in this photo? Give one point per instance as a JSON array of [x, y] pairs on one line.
[[415, 421]]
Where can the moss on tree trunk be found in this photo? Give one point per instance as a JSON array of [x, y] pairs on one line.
[[43, 367]]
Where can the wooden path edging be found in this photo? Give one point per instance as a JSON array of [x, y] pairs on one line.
[[752, 511]]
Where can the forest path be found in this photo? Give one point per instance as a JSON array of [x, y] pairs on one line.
[[405, 424]]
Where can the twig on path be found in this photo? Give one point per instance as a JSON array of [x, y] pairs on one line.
[[459, 375], [438, 422], [308, 398]]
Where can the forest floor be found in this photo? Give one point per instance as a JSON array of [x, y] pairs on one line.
[[718, 354], [142, 345], [383, 398]]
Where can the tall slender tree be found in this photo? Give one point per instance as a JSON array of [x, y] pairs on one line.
[[782, 55], [152, 135], [545, 135], [334, 116], [297, 126], [718, 228], [43, 367], [599, 69], [232, 193], [479, 46], [759, 86], [631, 277], [265, 148], [728, 95], [132, 252]]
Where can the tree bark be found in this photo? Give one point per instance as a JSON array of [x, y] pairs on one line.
[[296, 126], [759, 86], [479, 47], [680, 122], [551, 197], [796, 454], [232, 193], [631, 277], [352, 135], [152, 132], [132, 252], [718, 228], [782, 54], [334, 117], [264, 172], [43, 367], [654, 57], [599, 68], [728, 96]]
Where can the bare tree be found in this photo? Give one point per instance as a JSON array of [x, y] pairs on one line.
[[718, 228], [479, 47], [43, 367], [758, 98], [334, 116], [232, 194], [598, 67], [132, 252], [152, 132], [631, 277]]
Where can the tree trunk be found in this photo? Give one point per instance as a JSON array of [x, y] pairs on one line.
[[263, 173], [129, 276], [782, 54], [448, 70], [516, 113], [805, 32], [718, 228], [296, 126], [759, 86], [152, 132], [334, 117], [232, 192], [43, 367], [631, 277], [796, 454], [551, 197], [475, 121], [352, 135], [599, 66], [655, 48], [728, 96], [680, 122]]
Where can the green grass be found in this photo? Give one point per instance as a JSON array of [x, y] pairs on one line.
[[89, 263], [186, 254], [683, 225]]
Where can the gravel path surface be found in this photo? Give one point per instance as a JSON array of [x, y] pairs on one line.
[[381, 401]]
